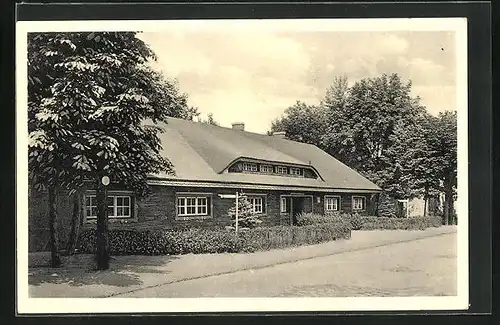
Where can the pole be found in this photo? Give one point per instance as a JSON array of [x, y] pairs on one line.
[[236, 213]]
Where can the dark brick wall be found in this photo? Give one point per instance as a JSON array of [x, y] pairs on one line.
[[38, 222], [157, 211], [160, 206], [346, 203]]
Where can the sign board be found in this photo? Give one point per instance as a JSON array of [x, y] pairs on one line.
[[227, 196]]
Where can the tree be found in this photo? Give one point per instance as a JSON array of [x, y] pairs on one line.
[[422, 159], [247, 218], [362, 125], [76, 218], [334, 105], [446, 141], [89, 95], [387, 206], [357, 126], [428, 154], [336, 95], [302, 122], [210, 120], [165, 93]]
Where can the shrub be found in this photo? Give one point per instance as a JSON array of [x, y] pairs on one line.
[[266, 238], [170, 242], [309, 218], [355, 220], [247, 218], [413, 223], [386, 206], [200, 241], [334, 217]]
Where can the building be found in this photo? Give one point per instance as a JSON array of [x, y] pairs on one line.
[[280, 177]]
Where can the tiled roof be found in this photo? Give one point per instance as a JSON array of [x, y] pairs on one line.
[[202, 152]]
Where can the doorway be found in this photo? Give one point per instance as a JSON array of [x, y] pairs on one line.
[[297, 208]]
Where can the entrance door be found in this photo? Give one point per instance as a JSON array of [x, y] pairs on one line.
[[297, 208]]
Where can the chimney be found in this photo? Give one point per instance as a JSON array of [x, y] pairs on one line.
[[238, 126], [280, 134]]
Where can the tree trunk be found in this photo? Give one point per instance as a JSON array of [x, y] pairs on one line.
[[75, 222], [448, 200], [446, 213], [54, 236], [426, 199], [103, 255]]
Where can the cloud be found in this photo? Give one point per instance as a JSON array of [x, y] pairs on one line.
[[230, 72], [436, 98], [255, 76], [389, 44]]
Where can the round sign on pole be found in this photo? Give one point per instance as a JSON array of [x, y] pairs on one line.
[[105, 180]]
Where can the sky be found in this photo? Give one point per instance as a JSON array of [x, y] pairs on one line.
[[253, 76]]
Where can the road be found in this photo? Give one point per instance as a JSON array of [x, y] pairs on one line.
[[425, 267]]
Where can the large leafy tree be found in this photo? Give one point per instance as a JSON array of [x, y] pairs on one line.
[[446, 151], [302, 122], [428, 152], [89, 95], [373, 110], [378, 128]]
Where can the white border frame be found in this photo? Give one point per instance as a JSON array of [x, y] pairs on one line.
[[339, 203], [187, 217], [115, 207], [352, 203], [27, 305]]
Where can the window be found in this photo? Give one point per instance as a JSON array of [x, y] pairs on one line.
[[193, 206], [257, 204], [281, 170], [283, 207], [90, 206], [358, 203], [332, 203], [266, 169], [119, 206], [295, 171], [249, 167]]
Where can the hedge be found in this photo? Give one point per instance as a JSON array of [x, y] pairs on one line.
[[412, 223], [265, 238], [201, 241], [313, 218], [358, 222]]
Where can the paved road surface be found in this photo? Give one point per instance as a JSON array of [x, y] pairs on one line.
[[425, 267]]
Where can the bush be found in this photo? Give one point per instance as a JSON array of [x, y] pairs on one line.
[[386, 206], [354, 219], [169, 242], [413, 223], [309, 218], [202, 241], [266, 238], [247, 218]]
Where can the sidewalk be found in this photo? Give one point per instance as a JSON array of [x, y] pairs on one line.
[[129, 273]]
